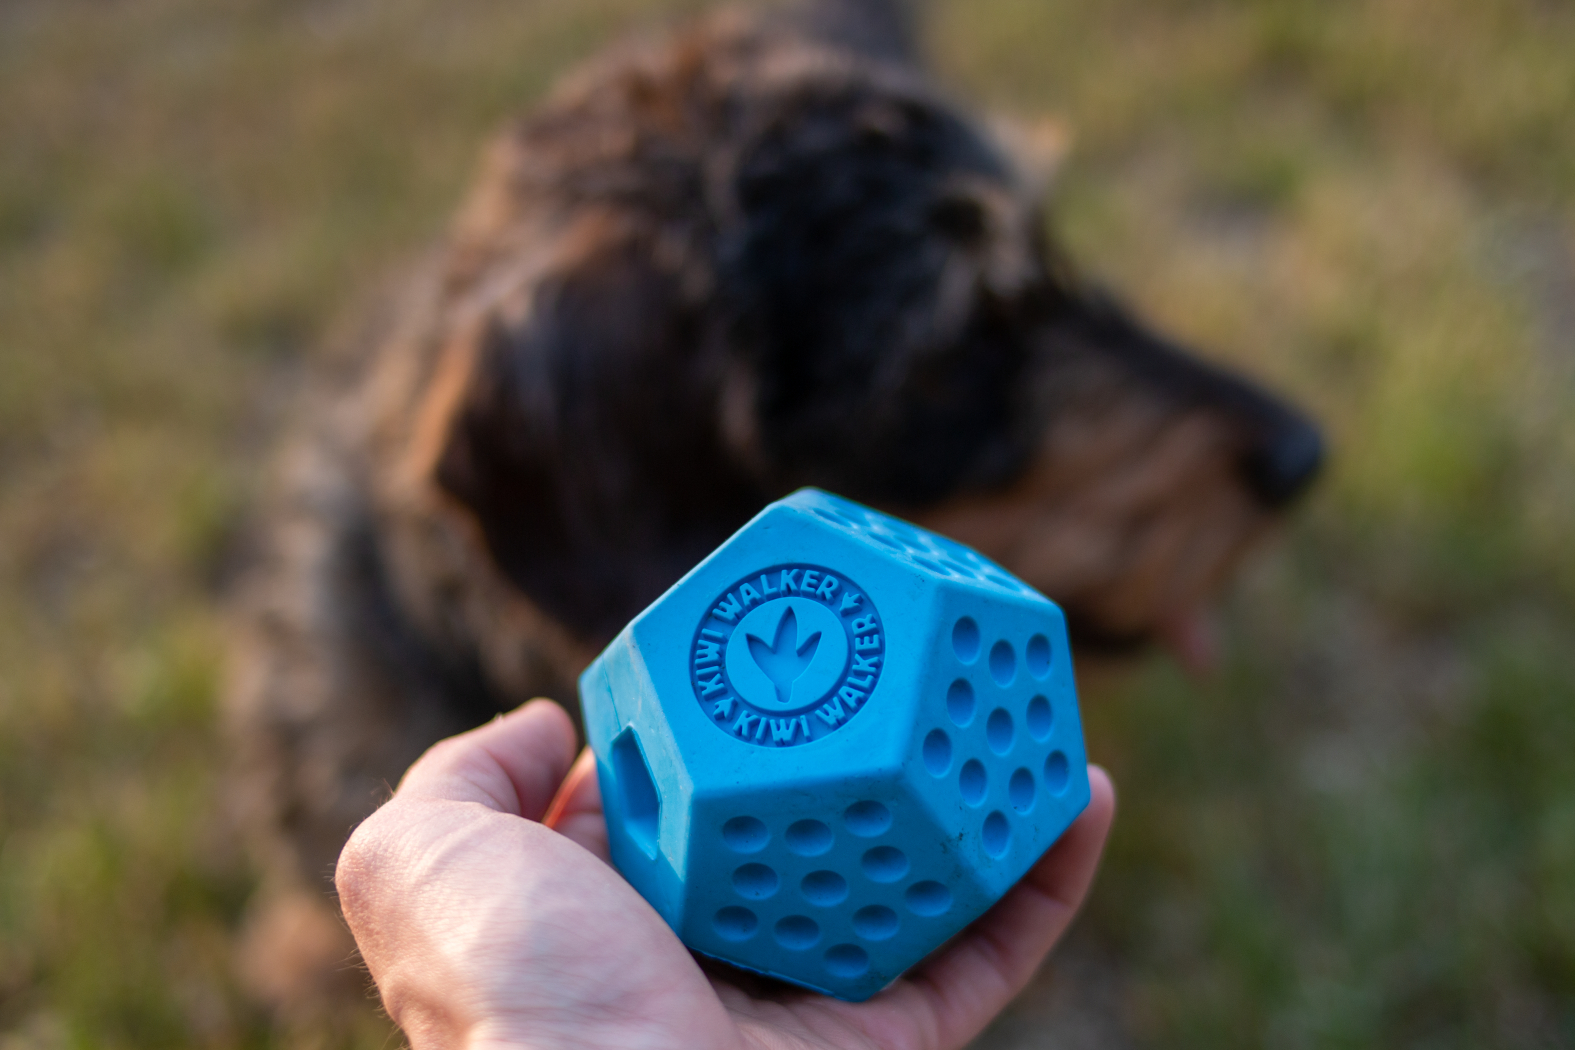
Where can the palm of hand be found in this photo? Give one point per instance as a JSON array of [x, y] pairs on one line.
[[486, 928]]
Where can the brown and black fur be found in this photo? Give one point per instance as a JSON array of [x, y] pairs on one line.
[[764, 253]]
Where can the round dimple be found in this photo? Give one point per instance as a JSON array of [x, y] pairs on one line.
[[928, 898], [867, 819], [998, 731], [808, 838], [960, 568], [1040, 718], [854, 513], [890, 542], [835, 518], [875, 923], [745, 834], [960, 702], [1058, 773], [1003, 580], [965, 640], [956, 550], [824, 888], [997, 834], [1037, 656], [735, 924], [755, 881], [973, 782], [847, 960], [914, 540], [1020, 790], [1003, 663], [796, 932], [885, 864], [938, 752]]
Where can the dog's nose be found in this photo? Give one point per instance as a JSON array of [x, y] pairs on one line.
[[1284, 462]]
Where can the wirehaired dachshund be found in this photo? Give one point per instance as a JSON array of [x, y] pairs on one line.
[[763, 253]]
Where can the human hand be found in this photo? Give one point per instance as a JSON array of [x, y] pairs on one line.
[[485, 906]]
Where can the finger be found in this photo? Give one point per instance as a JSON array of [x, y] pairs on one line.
[[576, 813], [973, 979], [513, 764]]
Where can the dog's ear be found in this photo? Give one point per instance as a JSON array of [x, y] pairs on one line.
[[585, 442]]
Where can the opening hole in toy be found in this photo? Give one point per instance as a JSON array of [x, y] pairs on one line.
[[637, 796]]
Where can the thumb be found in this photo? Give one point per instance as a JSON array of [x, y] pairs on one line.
[[513, 764]]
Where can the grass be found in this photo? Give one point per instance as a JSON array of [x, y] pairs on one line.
[[1361, 833]]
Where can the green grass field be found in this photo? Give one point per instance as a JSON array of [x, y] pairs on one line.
[[1361, 833]]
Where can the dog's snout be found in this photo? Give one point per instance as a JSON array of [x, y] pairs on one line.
[[1281, 449], [1284, 462]]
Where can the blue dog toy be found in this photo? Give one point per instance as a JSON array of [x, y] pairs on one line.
[[834, 743]]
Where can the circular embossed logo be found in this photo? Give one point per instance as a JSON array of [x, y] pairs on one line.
[[787, 655]]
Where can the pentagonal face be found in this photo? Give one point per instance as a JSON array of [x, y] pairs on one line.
[[840, 889], [997, 748], [770, 733], [790, 650]]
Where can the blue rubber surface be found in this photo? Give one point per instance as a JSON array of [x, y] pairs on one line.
[[834, 743]]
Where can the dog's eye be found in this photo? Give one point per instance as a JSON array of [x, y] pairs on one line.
[[959, 218]]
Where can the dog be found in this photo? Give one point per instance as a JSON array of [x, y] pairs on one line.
[[763, 253]]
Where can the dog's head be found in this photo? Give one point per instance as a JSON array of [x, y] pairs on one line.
[[707, 273]]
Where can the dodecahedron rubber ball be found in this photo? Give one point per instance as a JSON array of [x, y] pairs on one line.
[[834, 743]]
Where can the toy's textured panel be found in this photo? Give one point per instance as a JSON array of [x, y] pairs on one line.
[[834, 743], [997, 749], [842, 900]]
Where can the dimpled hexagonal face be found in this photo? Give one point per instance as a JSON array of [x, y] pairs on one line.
[[834, 743]]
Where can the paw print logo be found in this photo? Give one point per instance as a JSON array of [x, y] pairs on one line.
[[784, 665], [787, 655], [806, 653]]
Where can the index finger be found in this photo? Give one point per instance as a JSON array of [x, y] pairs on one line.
[[513, 764]]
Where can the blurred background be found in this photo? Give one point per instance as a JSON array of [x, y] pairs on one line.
[[1360, 833]]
